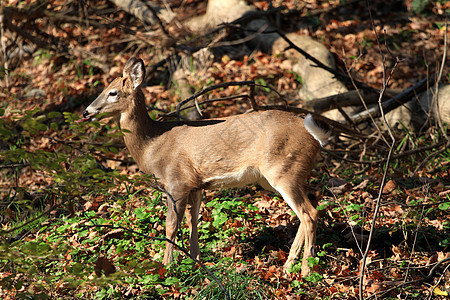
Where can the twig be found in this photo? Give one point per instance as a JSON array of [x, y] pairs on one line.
[[423, 163], [92, 151], [197, 107], [11, 166], [437, 283], [415, 205], [174, 113], [26, 35], [348, 218], [239, 41], [174, 203], [365, 106], [438, 79], [124, 161], [416, 231], [158, 19], [426, 278], [391, 149], [396, 156], [252, 98], [67, 142], [210, 88]]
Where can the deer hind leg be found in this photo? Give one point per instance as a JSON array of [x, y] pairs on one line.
[[306, 234], [173, 219], [192, 213]]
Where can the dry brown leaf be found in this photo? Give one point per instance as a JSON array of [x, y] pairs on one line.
[[389, 187], [103, 265]]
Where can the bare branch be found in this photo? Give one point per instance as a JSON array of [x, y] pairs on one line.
[[350, 98], [388, 160], [395, 102], [210, 88], [426, 278], [319, 64]]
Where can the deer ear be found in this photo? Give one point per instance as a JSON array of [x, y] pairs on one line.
[[135, 70]]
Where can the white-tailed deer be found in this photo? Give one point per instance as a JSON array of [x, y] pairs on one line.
[[275, 149]]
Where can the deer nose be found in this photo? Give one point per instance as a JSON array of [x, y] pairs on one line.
[[85, 114]]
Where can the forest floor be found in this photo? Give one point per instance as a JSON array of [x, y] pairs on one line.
[[79, 221]]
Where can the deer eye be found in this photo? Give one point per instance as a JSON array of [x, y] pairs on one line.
[[113, 96]]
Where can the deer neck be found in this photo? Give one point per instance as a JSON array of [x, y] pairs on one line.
[[140, 128]]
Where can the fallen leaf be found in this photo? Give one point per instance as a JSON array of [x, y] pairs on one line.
[[389, 187], [103, 264], [438, 292]]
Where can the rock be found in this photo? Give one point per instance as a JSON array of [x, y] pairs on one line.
[[263, 41], [414, 114], [36, 93], [217, 12], [441, 110], [317, 82]]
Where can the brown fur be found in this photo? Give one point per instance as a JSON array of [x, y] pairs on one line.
[[271, 148]]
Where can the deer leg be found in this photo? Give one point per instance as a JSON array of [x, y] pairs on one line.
[[296, 247], [173, 219], [306, 234], [192, 213]]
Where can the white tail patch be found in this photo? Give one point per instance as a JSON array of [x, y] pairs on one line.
[[318, 133]]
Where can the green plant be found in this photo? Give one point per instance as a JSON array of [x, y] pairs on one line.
[[297, 76], [239, 285], [418, 6], [261, 84], [41, 55], [223, 210]]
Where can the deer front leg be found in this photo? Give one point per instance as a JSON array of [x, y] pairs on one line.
[[173, 220], [296, 248], [192, 213]]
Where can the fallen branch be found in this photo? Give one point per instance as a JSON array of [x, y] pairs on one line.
[[391, 104], [350, 98]]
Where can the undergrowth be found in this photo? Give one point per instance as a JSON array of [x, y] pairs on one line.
[[88, 230]]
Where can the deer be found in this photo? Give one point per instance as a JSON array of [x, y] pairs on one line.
[[275, 149]]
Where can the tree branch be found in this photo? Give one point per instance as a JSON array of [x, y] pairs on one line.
[[391, 104]]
